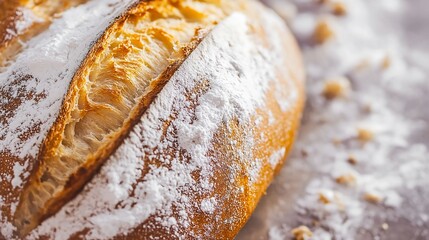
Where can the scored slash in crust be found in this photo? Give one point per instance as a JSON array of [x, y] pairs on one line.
[[116, 83]]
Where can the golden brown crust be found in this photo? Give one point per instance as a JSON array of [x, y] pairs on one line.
[[236, 197], [235, 202], [8, 16], [235, 206], [52, 192], [15, 12], [239, 204]]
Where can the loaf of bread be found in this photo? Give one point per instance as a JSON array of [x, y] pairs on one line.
[[126, 119], [20, 20]]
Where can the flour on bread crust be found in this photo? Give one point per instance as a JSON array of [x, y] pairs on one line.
[[162, 179], [200, 154], [32, 89]]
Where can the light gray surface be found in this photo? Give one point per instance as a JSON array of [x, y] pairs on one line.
[[279, 203]]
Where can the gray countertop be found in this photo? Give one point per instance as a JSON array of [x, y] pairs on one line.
[[280, 210]]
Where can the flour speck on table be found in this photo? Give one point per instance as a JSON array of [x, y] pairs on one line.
[[359, 168]]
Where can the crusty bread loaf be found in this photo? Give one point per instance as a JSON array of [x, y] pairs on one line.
[[20, 20], [188, 107]]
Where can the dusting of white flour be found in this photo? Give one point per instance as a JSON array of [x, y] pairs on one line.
[[25, 19], [123, 196], [33, 86], [164, 168], [49, 62]]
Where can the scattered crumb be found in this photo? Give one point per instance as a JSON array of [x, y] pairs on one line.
[[323, 32], [316, 223], [324, 199], [372, 198], [352, 160], [336, 87], [365, 135], [339, 9], [367, 109], [385, 226], [304, 153], [331, 197], [386, 63], [347, 179], [301, 233], [337, 141]]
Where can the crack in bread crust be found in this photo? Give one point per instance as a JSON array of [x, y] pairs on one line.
[[116, 83]]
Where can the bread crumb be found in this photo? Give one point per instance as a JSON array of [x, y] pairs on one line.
[[372, 198], [386, 63], [323, 199], [331, 197], [335, 88], [304, 153], [367, 109], [323, 32], [337, 141], [385, 226], [302, 233], [347, 179], [365, 135], [315, 223], [339, 9], [352, 160]]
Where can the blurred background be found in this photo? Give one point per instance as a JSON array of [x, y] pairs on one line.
[[360, 167]]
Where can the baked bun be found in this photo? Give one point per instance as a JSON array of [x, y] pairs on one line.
[[163, 119]]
